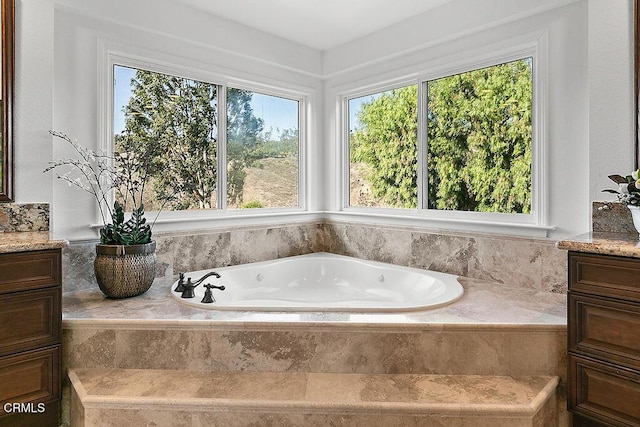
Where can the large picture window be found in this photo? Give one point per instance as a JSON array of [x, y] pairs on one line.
[[170, 123], [479, 135], [173, 125], [472, 154]]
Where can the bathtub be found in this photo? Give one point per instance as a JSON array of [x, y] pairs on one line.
[[323, 282]]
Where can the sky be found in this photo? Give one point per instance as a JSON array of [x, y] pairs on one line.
[[277, 113], [354, 107]]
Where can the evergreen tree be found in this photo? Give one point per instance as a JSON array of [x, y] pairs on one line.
[[478, 138], [174, 121], [387, 141], [243, 129]]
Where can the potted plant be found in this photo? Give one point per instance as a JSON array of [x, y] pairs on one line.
[[628, 192], [125, 257]]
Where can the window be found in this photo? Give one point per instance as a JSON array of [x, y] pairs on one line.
[[479, 135], [474, 153], [173, 125], [383, 149], [262, 150]]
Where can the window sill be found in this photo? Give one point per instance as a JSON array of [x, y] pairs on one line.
[[451, 224], [224, 220]]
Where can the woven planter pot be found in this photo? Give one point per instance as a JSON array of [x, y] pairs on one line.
[[125, 271]]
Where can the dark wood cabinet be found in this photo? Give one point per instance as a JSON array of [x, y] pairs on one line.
[[604, 340], [30, 337]]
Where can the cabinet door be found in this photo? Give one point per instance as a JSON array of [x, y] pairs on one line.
[[29, 270], [32, 376], [29, 320], [604, 328], [604, 392]]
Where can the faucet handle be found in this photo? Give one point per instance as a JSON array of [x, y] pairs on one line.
[[208, 295], [180, 287]]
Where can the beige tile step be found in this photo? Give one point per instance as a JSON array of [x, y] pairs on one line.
[[141, 397]]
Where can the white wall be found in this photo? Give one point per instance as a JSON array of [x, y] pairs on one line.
[[590, 116], [610, 101], [446, 23], [33, 111]]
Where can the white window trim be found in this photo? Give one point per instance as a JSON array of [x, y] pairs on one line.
[[302, 131], [190, 219], [344, 151], [535, 223]]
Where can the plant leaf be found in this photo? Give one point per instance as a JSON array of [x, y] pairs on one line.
[[618, 179]]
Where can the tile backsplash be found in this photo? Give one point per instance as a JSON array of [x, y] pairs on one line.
[[182, 252], [611, 217], [17, 217], [513, 261]]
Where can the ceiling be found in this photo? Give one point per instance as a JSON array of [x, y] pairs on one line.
[[319, 24]]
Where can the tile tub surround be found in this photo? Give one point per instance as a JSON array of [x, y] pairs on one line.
[[535, 264], [169, 397], [200, 250], [513, 261], [493, 330]]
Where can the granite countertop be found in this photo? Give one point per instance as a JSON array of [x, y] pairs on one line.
[[29, 241], [597, 242]]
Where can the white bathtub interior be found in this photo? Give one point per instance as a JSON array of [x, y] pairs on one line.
[[324, 282]]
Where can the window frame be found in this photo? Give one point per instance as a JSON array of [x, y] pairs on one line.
[[302, 132], [346, 151], [537, 219], [181, 219]]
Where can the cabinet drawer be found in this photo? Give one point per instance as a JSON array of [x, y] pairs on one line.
[[29, 270], [604, 392], [30, 377], [605, 275], [29, 319], [605, 328]]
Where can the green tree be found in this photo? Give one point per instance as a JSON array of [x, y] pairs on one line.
[[479, 141], [386, 139], [174, 122], [277, 143], [243, 129]]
